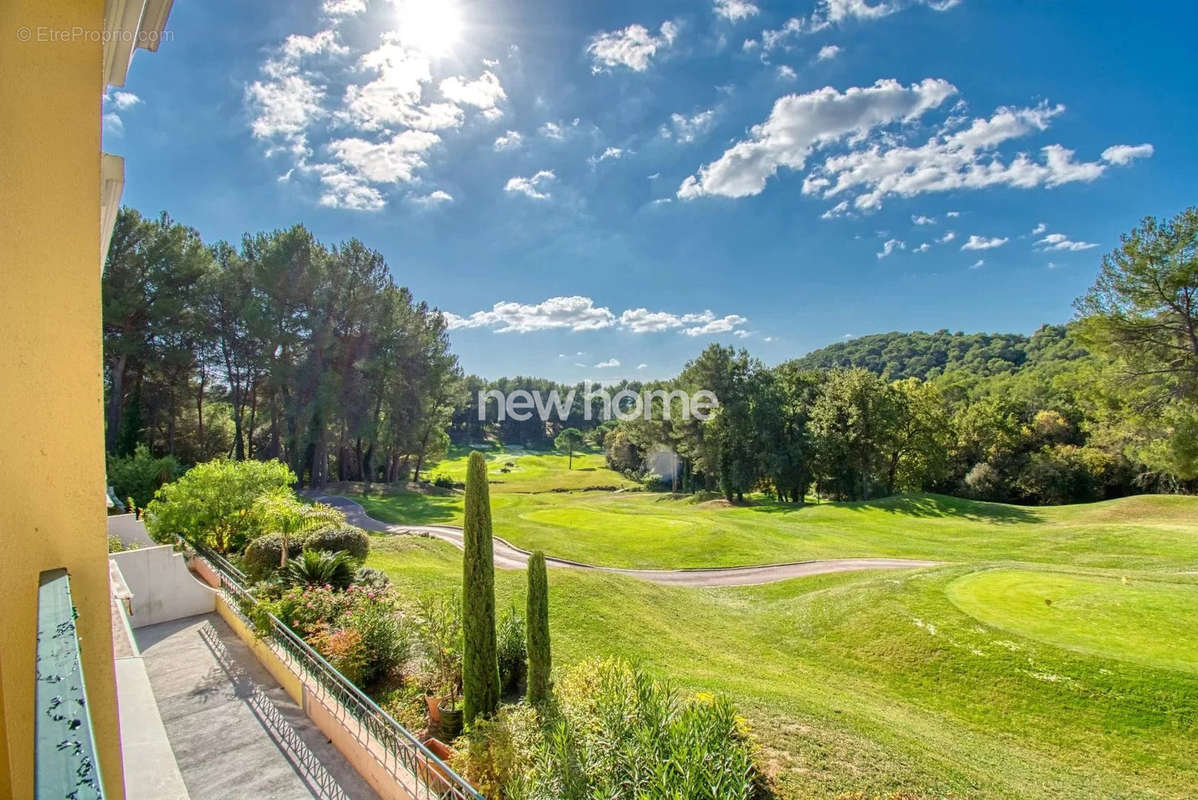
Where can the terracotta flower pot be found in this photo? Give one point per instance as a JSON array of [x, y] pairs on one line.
[[434, 709]]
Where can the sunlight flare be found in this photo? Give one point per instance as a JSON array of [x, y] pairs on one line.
[[430, 26]]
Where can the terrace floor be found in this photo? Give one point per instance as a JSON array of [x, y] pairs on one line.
[[234, 731]]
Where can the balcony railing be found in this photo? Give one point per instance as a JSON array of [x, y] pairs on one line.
[[401, 753], [64, 750]]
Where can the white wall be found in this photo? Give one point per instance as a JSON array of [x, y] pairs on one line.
[[130, 530], [163, 588]]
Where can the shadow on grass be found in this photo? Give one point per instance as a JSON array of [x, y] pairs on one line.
[[928, 506], [411, 508]]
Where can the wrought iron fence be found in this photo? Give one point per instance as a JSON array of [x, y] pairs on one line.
[[405, 757]]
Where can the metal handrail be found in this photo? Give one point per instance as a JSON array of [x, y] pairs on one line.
[[397, 741]]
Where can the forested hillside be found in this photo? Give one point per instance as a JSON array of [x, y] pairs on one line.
[[922, 355]]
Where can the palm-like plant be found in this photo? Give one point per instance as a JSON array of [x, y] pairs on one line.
[[314, 568], [291, 519]]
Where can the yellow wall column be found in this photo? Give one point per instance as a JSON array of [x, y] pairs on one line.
[[51, 416]]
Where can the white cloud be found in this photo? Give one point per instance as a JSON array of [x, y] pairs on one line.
[[112, 124], [1122, 154], [556, 313], [686, 129], [1039, 229], [531, 186], [611, 362], [1059, 241], [556, 131], [724, 324], [890, 246], [358, 163], [786, 73], [393, 161], [800, 123], [509, 141], [948, 237], [642, 320], [342, 8], [434, 198], [345, 189], [393, 97], [952, 214], [484, 93], [642, 366], [609, 154], [977, 264], [828, 52], [922, 220], [735, 10], [976, 242], [835, 12], [284, 108], [923, 248], [955, 159], [124, 100], [581, 314], [841, 209], [632, 47]]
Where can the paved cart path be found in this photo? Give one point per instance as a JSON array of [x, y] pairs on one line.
[[508, 556]]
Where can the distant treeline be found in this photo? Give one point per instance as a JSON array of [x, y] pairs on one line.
[[279, 347]]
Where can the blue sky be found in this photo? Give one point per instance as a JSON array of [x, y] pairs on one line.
[[600, 189]]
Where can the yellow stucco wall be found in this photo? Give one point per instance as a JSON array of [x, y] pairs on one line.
[[51, 421]]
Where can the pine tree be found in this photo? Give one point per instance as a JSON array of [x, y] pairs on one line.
[[480, 661], [540, 660]]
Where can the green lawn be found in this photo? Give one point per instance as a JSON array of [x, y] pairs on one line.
[[957, 681], [880, 682], [534, 471], [651, 530]]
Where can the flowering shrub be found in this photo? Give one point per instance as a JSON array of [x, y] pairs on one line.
[[380, 643], [343, 648]]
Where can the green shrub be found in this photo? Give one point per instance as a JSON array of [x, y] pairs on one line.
[[444, 481], [510, 647], [388, 641], [314, 568], [341, 537], [261, 557], [138, 476], [406, 705], [115, 545], [214, 503], [618, 733], [371, 578], [497, 754]]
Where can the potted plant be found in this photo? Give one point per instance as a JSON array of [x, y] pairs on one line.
[[441, 630]]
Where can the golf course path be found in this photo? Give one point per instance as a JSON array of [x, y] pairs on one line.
[[508, 556]]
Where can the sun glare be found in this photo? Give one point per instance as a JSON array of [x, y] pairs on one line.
[[431, 26]]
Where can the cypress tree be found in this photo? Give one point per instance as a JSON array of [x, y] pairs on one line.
[[540, 661], [480, 661]]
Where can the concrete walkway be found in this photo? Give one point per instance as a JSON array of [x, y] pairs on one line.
[[234, 731], [508, 556]]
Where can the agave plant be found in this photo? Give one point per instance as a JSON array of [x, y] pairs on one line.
[[316, 568]]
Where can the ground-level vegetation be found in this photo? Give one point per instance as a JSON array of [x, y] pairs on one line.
[[982, 679]]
